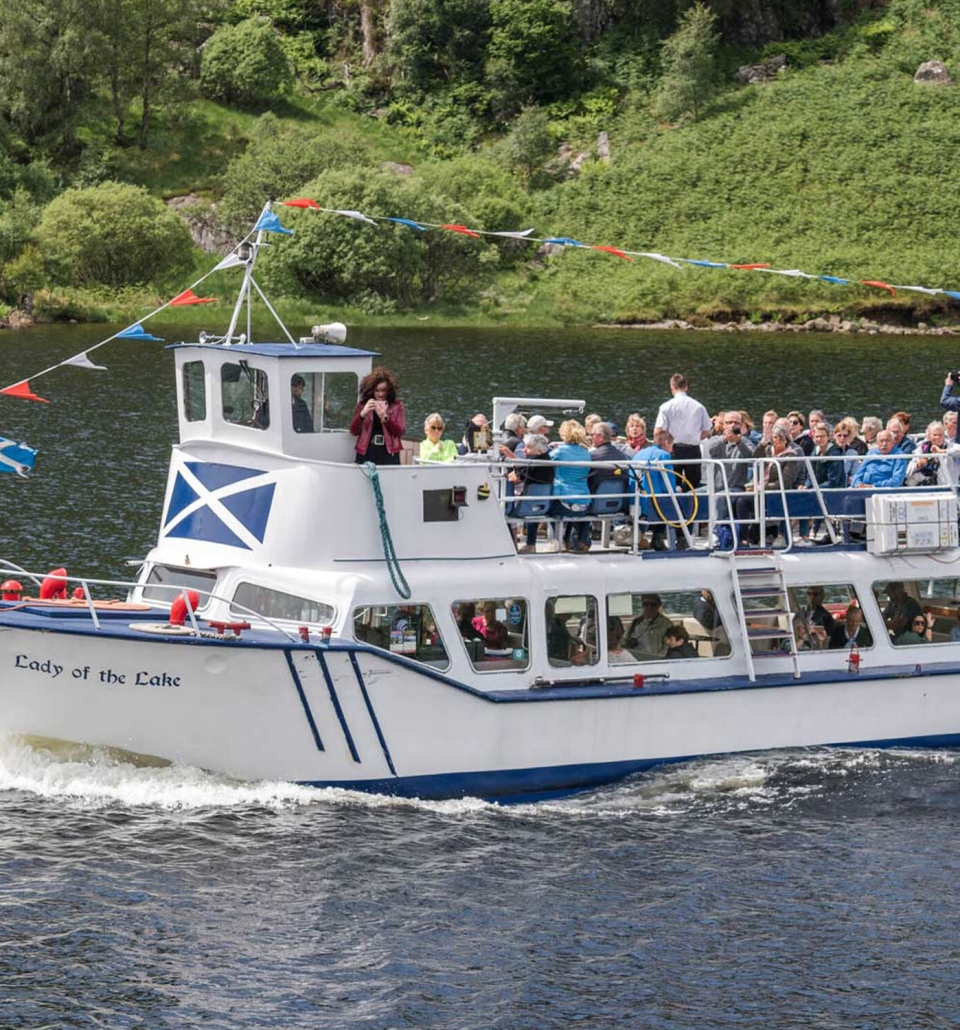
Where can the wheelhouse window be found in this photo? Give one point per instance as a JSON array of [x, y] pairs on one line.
[[654, 626], [572, 637], [920, 611], [163, 579], [494, 633], [246, 400], [407, 629], [323, 401], [194, 392], [828, 616], [275, 604]]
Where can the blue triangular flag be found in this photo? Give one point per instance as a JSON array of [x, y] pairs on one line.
[[705, 264], [408, 222], [565, 241], [137, 332], [834, 279], [16, 457], [952, 293], [270, 222]]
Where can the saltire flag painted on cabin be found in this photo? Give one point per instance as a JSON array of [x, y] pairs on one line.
[[16, 457]]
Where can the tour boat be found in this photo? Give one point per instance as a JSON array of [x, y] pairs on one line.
[[309, 619]]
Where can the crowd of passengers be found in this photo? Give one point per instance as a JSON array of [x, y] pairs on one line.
[[803, 451]]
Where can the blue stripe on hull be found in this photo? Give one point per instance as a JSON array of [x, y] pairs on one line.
[[514, 786]]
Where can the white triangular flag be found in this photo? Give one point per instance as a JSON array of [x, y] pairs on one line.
[[520, 235], [82, 361], [356, 214], [230, 261], [919, 289], [656, 257], [795, 272]]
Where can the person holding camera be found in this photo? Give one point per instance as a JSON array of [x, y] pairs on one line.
[[948, 401]]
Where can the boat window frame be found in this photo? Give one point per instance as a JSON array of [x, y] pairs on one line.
[[189, 388], [169, 595], [259, 379], [386, 650], [479, 669], [555, 663], [725, 640], [320, 418], [883, 622], [794, 588], [280, 619]]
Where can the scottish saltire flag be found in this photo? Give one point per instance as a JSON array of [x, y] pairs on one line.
[[223, 504], [16, 457], [270, 222]]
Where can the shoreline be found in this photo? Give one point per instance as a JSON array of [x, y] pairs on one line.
[[834, 324]]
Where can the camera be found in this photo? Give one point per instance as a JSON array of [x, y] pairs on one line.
[[954, 377]]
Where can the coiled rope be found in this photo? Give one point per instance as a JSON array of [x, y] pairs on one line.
[[390, 555], [648, 491]]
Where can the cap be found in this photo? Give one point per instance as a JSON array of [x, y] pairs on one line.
[[537, 423]]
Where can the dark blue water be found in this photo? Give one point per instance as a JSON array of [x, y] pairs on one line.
[[795, 890]]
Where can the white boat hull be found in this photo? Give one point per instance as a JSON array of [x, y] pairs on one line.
[[356, 718]]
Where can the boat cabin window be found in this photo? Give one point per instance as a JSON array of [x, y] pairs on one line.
[[163, 578], [572, 637], [194, 392], [246, 400], [828, 616], [407, 629], [494, 632], [323, 401], [275, 604], [920, 611], [670, 624]]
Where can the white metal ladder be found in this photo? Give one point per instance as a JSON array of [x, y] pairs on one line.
[[762, 600]]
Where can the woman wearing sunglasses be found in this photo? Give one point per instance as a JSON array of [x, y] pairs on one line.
[[918, 631]]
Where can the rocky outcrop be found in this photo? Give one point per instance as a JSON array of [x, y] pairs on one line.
[[765, 71], [603, 146], [933, 73], [833, 324], [201, 218]]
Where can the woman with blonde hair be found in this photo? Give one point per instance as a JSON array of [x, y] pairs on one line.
[[570, 485], [434, 448]]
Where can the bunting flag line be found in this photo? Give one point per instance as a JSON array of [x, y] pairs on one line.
[[16, 457], [269, 221]]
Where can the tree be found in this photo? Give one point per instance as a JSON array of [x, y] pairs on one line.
[[46, 58], [534, 55], [432, 41], [529, 143], [244, 64], [688, 65], [113, 235]]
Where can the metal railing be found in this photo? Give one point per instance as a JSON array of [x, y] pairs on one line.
[[723, 485]]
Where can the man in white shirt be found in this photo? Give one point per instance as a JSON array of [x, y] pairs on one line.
[[688, 422]]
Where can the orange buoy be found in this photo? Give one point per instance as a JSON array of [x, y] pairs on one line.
[[178, 610], [10, 590], [54, 586]]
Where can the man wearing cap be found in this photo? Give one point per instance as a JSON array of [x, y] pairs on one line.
[[688, 423], [539, 426]]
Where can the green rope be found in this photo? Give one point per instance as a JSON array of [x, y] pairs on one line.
[[393, 565]]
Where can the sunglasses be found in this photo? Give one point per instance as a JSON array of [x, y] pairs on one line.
[[794, 421], [838, 433], [919, 622]]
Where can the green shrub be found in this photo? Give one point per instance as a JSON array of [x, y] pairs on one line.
[[244, 64], [336, 258], [113, 235]]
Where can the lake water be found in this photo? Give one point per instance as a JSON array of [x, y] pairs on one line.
[[802, 889]]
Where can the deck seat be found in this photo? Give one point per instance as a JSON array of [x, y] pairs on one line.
[[609, 498], [535, 502]]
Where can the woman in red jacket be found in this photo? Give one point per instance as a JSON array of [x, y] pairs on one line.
[[379, 421]]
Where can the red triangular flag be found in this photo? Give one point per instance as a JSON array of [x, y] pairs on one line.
[[189, 297], [880, 285], [22, 390], [613, 250], [301, 202], [461, 228], [748, 267]]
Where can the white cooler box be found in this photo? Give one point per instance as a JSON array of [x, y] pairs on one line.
[[911, 523]]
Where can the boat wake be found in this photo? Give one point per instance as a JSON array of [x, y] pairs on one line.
[[91, 778]]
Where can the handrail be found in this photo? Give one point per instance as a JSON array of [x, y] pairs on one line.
[[130, 586]]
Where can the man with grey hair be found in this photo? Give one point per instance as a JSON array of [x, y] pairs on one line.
[[881, 467], [900, 439]]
